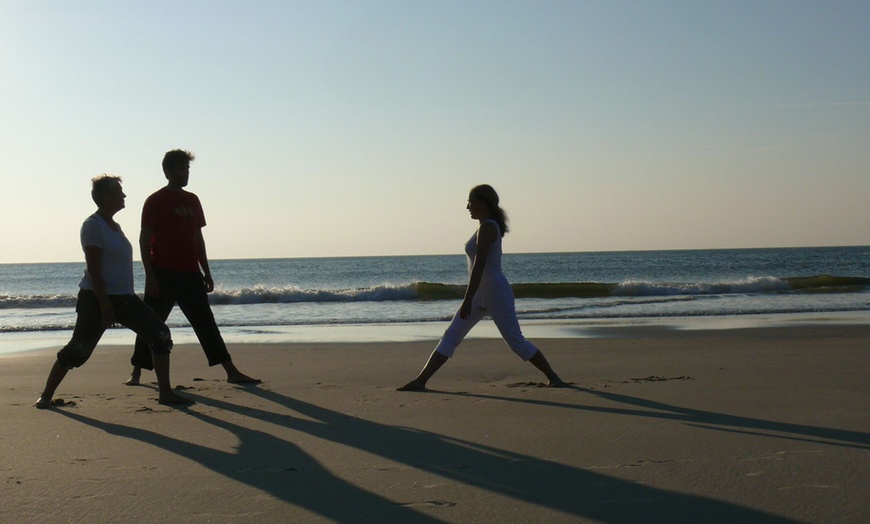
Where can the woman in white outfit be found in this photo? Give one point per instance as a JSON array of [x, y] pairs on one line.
[[488, 294]]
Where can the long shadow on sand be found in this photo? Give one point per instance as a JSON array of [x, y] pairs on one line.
[[703, 419], [307, 483], [569, 490], [276, 467]]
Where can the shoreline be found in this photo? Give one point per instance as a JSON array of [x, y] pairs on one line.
[[23, 342]]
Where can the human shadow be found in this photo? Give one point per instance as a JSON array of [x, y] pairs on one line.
[[725, 421], [524, 478], [698, 418], [274, 466]]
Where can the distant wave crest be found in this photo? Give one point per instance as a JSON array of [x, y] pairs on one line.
[[36, 301], [429, 291], [747, 285], [291, 294]]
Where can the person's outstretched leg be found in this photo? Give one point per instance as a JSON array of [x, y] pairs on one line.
[[152, 331], [539, 361], [86, 335], [55, 377], [503, 312], [436, 360], [453, 336], [141, 359], [193, 301]]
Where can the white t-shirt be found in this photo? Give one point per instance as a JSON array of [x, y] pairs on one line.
[[116, 261]]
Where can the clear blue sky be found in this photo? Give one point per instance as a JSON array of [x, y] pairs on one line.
[[327, 128]]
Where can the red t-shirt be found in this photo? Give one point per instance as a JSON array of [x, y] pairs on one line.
[[175, 218]]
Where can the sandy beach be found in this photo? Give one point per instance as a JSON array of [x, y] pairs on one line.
[[744, 425]]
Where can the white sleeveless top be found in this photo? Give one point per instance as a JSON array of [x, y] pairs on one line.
[[493, 260]]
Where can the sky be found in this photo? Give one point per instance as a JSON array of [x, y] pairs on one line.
[[356, 128]]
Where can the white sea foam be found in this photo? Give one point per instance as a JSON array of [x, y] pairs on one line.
[[391, 290], [745, 285]]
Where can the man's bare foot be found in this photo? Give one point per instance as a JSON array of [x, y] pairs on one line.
[[43, 403], [557, 383], [135, 375], [413, 386], [172, 399], [241, 378]]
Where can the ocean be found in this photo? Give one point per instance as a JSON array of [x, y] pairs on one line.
[[411, 297]]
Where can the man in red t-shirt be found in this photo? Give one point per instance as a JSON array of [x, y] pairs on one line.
[[176, 266]]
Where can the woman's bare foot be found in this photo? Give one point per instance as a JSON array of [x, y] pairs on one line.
[[557, 383], [234, 376], [43, 403], [413, 386], [240, 378], [173, 399]]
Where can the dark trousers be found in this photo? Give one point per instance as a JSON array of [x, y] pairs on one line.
[[188, 291], [129, 311]]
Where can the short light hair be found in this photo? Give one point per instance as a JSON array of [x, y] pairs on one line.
[[100, 186]]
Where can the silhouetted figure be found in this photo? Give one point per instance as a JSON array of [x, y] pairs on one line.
[[176, 267], [488, 293], [106, 297]]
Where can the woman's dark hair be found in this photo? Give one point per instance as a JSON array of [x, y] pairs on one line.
[[486, 194]]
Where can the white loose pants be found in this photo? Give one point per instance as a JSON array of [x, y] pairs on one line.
[[494, 298]]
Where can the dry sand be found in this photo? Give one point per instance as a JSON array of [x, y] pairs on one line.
[[758, 425]]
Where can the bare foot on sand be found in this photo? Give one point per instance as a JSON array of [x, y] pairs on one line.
[[413, 386], [241, 378], [173, 399], [135, 375]]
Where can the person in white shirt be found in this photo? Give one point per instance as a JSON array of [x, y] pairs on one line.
[[106, 297]]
